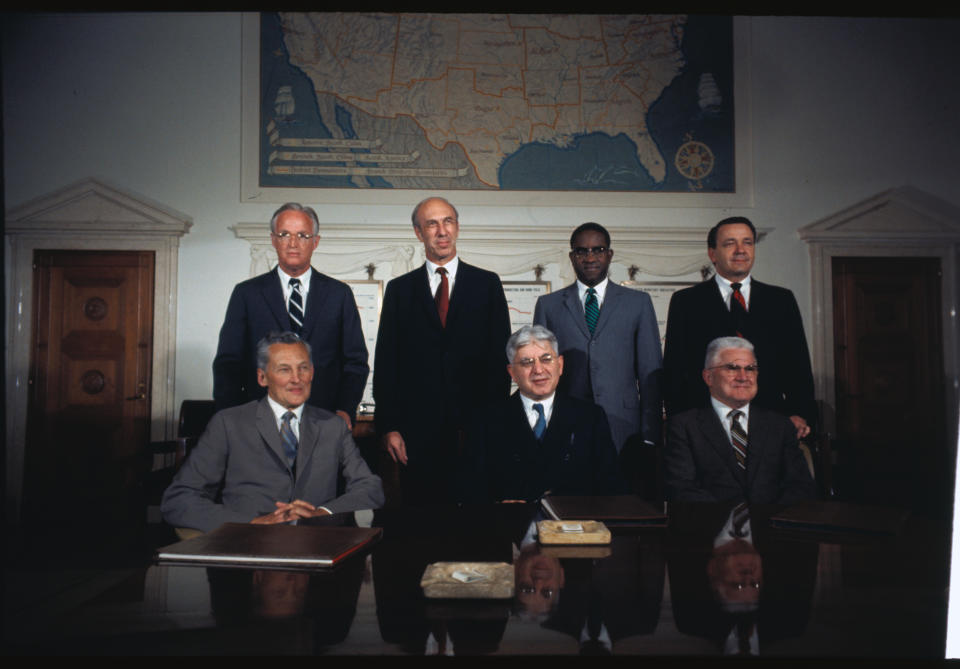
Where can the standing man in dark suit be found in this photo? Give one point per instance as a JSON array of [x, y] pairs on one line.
[[731, 449], [294, 297], [439, 356], [609, 338], [733, 303], [273, 460], [538, 440]]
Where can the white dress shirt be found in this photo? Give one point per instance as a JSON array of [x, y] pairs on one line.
[[726, 291], [600, 288], [434, 278], [304, 286], [532, 415], [723, 412]]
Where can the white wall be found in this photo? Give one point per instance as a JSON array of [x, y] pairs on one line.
[[842, 109]]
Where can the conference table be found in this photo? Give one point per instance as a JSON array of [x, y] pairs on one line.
[[693, 586]]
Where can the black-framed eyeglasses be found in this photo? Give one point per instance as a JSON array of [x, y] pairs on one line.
[[730, 368], [545, 359], [299, 237], [583, 251]]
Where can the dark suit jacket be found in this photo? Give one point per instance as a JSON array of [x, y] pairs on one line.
[[427, 379], [700, 465], [332, 327], [618, 366], [698, 315], [238, 469], [503, 459]]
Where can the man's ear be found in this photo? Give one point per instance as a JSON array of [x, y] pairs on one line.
[[261, 377]]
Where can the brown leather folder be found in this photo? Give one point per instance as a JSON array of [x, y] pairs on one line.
[[270, 546]]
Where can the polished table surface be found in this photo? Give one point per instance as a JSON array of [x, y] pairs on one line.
[[689, 589]]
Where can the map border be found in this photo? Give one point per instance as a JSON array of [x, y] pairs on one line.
[[252, 191]]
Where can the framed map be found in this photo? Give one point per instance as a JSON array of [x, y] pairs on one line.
[[359, 104]]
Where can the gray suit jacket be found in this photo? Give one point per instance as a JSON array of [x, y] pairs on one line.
[[238, 469], [618, 367], [700, 465]]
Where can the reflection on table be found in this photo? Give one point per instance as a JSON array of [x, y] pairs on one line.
[[718, 579]]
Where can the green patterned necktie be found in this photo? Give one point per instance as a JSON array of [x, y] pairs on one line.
[[591, 309]]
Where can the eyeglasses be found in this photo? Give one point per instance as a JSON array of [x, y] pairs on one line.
[[583, 251], [299, 237], [546, 593], [545, 359], [730, 368]]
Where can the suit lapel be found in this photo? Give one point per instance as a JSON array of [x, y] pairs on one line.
[[559, 429], [757, 435], [272, 293], [316, 302], [309, 439], [571, 300], [459, 295], [267, 427], [716, 436], [609, 307], [425, 298], [719, 307]]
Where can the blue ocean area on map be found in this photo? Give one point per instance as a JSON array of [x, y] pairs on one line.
[[683, 114]]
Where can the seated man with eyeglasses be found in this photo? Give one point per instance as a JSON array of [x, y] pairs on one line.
[[538, 441], [731, 450]]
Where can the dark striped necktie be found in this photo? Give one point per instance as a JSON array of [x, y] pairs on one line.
[[295, 306], [591, 309], [738, 437]]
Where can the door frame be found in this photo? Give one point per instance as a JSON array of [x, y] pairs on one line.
[[88, 215], [902, 222]]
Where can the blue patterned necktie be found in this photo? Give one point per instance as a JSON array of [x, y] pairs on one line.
[[295, 306], [541, 425], [591, 309], [289, 438]]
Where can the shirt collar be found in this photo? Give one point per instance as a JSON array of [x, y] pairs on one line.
[[722, 410], [600, 288], [547, 403], [451, 267], [278, 410], [304, 279]]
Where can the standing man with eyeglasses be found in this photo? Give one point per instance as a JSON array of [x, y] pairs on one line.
[[734, 304], [609, 339], [297, 298], [439, 357], [731, 450]]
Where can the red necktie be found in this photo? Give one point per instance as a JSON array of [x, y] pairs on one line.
[[738, 307], [442, 298]]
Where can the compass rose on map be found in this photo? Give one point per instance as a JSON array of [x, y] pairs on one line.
[[694, 160]]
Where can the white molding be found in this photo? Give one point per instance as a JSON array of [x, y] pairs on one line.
[[88, 215], [900, 222]]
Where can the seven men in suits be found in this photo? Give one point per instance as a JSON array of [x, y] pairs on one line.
[[732, 449], [539, 440], [733, 303], [294, 297], [439, 356], [272, 460]]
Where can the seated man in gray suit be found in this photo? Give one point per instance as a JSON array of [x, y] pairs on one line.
[[272, 460], [538, 440], [732, 450]]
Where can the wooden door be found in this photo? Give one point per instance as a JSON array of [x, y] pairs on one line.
[[88, 424], [891, 414]]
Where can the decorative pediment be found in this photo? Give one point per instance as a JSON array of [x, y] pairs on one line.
[[93, 206], [893, 216]]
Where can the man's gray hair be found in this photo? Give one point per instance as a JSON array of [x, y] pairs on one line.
[[526, 335], [263, 346], [416, 210], [294, 206], [722, 344]]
